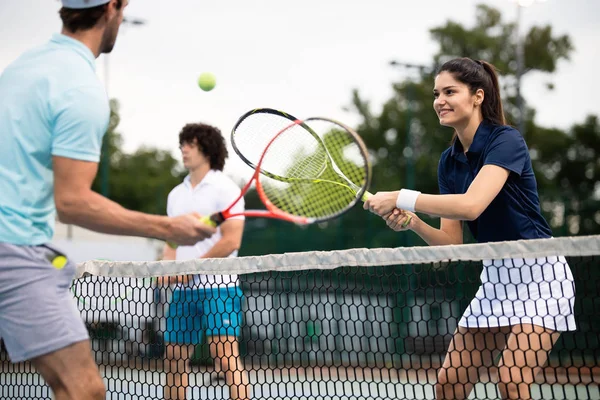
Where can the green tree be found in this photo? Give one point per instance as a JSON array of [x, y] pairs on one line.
[[111, 151], [571, 176]]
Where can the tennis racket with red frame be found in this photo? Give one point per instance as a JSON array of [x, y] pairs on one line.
[[305, 171]]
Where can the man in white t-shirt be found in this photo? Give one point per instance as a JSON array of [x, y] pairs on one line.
[[205, 304]]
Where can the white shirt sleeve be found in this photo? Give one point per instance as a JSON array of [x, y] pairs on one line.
[[170, 204], [229, 194]]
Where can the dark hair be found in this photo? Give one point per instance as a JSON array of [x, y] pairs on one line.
[[83, 19], [479, 75], [209, 140]]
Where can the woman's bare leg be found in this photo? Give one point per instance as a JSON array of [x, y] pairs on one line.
[[526, 353], [470, 351]]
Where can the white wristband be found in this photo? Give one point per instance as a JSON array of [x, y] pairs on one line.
[[406, 199]]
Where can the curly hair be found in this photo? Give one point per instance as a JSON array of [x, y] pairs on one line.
[[75, 19], [209, 140]]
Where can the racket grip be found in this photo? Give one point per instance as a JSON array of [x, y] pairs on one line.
[[368, 194], [206, 220]]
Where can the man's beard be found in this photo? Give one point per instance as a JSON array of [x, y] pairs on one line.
[[108, 40]]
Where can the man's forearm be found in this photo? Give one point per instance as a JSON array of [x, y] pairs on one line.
[[223, 248], [95, 212]]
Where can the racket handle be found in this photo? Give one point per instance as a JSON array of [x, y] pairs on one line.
[[368, 194], [206, 220]]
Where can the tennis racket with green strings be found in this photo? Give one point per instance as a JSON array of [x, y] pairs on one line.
[[341, 148], [304, 171]]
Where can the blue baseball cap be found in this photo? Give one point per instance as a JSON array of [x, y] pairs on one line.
[[80, 4]]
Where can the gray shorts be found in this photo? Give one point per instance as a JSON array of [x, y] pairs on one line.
[[38, 314]]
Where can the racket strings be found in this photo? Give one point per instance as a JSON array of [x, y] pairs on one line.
[[324, 172], [348, 159], [295, 154], [317, 200], [252, 135]]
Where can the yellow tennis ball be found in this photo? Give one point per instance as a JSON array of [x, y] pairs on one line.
[[59, 262], [207, 81]]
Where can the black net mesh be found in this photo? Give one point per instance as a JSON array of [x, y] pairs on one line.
[[349, 332]]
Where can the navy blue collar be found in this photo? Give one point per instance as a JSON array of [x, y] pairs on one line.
[[479, 140]]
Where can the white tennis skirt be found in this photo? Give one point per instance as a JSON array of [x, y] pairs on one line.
[[513, 291]]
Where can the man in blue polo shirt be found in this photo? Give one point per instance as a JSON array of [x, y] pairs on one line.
[[53, 115]]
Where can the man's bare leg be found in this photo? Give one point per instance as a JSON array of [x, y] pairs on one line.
[[72, 373]]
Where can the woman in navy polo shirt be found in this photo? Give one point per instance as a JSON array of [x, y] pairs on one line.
[[486, 179]]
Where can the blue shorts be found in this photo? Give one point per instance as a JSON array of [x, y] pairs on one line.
[[195, 312], [38, 314]]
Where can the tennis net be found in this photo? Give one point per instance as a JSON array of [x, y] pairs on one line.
[[347, 324]]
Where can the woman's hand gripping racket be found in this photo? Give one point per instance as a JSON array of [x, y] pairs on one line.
[[302, 174], [338, 157]]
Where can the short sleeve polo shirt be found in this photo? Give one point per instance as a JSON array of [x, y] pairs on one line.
[[51, 104], [515, 212]]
